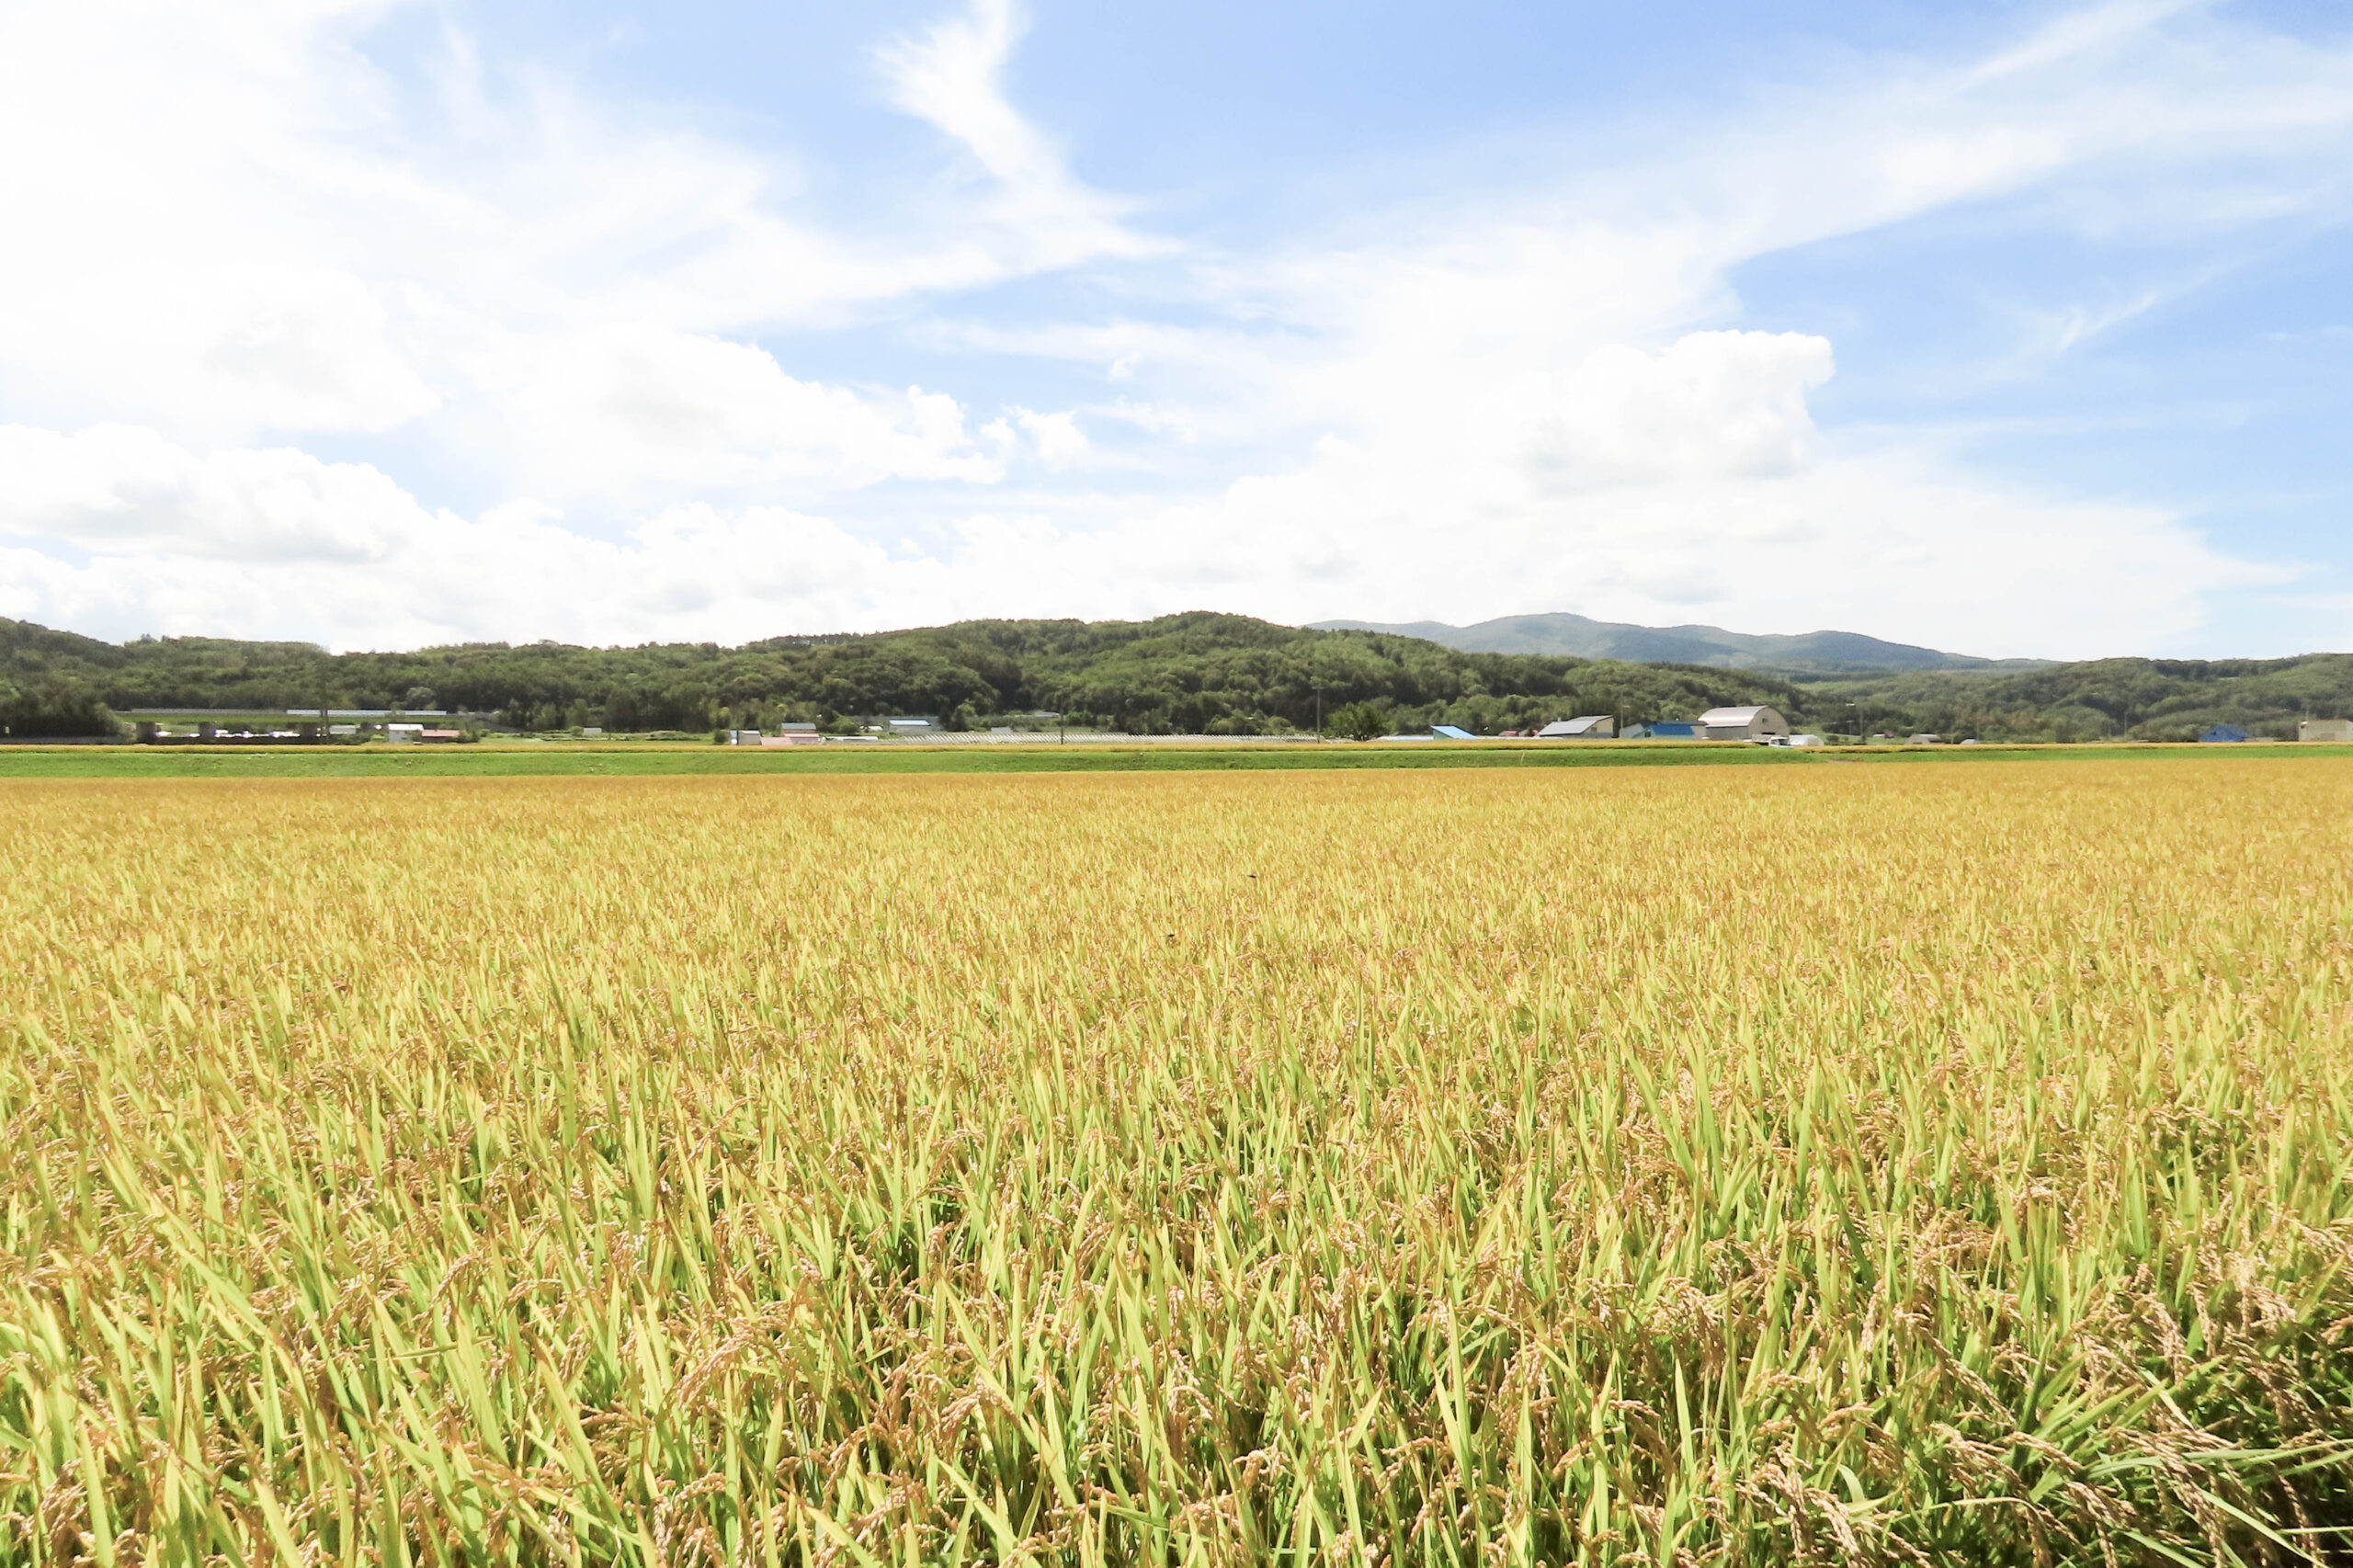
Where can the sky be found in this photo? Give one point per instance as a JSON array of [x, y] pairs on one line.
[[2017, 329]]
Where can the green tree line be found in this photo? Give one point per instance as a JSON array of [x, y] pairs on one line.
[[1195, 673], [2143, 699]]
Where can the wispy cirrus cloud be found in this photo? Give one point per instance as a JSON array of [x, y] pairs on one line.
[[952, 73], [235, 225]]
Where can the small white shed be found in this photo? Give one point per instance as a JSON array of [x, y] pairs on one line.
[[1592, 727]]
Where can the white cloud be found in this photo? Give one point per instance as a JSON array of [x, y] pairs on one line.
[[1059, 439], [1712, 405], [235, 224], [1684, 482], [241, 236], [952, 75], [1497, 410], [631, 411], [1886, 542], [174, 543], [284, 533], [113, 487]]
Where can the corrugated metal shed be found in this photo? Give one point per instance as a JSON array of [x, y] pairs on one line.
[[1751, 723]]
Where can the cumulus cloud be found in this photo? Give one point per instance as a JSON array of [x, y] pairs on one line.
[[1752, 530], [281, 535], [632, 410], [1059, 440], [113, 487], [1887, 540], [1711, 405], [1665, 484]]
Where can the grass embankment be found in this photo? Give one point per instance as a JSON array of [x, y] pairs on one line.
[[1818, 1164], [660, 759]]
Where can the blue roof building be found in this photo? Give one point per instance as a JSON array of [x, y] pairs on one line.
[[1450, 732], [2222, 734]]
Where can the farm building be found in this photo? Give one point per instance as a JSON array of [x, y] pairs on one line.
[[1667, 730], [2325, 730], [1451, 733], [2222, 734], [1593, 726], [1742, 724]]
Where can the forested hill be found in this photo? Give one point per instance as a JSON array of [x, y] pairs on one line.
[[1186, 673], [2149, 699], [1182, 674]]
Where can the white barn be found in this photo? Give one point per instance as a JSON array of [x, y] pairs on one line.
[[1593, 726], [1742, 724], [2324, 730]]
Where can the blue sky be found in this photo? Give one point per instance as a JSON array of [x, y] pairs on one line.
[[2017, 328]]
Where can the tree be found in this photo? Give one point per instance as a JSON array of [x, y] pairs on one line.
[[51, 708], [1359, 721]]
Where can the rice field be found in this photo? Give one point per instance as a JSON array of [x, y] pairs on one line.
[[1683, 1165]]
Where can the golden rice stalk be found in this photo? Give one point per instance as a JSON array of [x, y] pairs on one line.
[[1694, 1165]]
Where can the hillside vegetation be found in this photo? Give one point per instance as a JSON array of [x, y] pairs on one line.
[[2149, 699], [1180, 673]]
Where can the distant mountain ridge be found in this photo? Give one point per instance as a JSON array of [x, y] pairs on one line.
[[1809, 652]]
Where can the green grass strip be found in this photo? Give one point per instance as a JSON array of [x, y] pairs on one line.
[[655, 760]]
